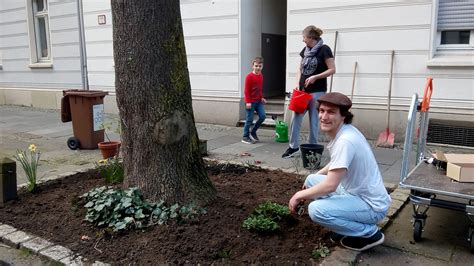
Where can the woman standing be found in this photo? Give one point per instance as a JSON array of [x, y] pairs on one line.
[[317, 63]]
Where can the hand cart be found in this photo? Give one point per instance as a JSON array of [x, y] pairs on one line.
[[429, 185]]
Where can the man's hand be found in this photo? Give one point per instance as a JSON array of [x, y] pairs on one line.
[[264, 101], [293, 203], [310, 80], [248, 105]]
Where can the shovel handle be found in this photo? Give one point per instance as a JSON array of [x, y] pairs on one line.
[[390, 88], [353, 79], [425, 103]]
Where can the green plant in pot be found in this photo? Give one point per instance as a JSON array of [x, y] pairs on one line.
[[110, 148]]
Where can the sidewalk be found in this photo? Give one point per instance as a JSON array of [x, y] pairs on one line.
[[443, 235]]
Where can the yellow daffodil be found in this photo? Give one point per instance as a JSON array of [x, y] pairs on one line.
[[29, 164], [32, 147], [102, 162]]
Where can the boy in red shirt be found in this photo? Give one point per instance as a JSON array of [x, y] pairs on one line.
[[254, 101]]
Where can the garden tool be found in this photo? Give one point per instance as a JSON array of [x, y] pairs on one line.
[[334, 55], [387, 138], [353, 80]]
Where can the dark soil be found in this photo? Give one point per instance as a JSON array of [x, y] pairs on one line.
[[218, 236]]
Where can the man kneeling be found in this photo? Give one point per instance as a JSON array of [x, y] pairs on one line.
[[348, 195]]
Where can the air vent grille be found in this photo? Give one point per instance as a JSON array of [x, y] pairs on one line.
[[460, 133]]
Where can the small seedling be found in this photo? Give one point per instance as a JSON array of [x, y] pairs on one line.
[[320, 252], [224, 253]]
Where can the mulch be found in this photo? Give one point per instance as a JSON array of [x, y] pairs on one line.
[[218, 236]]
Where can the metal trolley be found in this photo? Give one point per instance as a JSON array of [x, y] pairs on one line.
[[429, 185]]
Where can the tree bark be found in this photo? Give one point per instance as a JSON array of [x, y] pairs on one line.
[[160, 142]]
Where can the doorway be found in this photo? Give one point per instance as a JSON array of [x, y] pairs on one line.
[[273, 47], [274, 72]]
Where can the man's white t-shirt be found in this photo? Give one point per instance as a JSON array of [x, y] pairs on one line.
[[350, 150]]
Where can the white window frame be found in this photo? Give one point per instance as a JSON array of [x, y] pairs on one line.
[[449, 54], [36, 60]]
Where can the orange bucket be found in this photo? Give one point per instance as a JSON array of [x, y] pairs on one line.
[[299, 101]]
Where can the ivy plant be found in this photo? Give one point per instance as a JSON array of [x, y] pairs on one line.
[[265, 218], [126, 209]]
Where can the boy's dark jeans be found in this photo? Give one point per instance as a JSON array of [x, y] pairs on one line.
[[258, 107]]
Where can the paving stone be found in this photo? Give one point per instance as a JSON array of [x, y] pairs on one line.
[[403, 190], [399, 195], [390, 185], [397, 203], [36, 244], [17, 237], [383, 222], [56, 252], [74, 260], [67, 174], [341, 256], [100, 263], [84, 170], [6, 229], [394, 208]]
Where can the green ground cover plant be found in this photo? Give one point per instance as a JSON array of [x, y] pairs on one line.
[[122, 210], [265, 218]]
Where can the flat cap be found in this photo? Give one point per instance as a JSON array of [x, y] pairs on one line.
[[336, 98]]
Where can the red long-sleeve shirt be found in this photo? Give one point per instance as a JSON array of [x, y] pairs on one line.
[[253, 88]]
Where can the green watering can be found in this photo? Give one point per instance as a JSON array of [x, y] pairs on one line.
[[281, 131]]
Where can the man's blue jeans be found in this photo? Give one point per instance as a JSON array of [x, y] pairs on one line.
[[343, 213], [258, 107]]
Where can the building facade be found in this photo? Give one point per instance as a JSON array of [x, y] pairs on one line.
[[50, 45]]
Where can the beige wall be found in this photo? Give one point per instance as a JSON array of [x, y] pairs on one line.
[[224, 111]]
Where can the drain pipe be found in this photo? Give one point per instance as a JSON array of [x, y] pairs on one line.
[[82, 46]]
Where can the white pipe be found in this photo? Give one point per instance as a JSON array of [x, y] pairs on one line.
[[82, 46]]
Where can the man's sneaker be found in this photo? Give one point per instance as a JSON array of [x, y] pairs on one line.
[[335, 237], [290, 152], [253, 136], [247, 140], [362, 243]]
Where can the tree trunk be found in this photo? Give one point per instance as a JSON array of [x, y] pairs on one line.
[[160, 142]]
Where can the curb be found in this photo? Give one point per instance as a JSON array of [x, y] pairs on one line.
[[41, 247]]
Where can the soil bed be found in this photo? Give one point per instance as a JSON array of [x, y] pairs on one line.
[[218, 236]]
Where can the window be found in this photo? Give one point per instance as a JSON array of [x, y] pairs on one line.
[[40, 44], [454, 38]]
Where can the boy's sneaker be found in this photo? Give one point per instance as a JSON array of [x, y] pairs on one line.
[[253, 136], [290, 152], [362, 243], [247, 140]]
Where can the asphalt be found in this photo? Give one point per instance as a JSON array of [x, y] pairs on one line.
[[444, 236]]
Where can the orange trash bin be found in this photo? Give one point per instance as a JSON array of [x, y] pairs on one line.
[[85, 108]]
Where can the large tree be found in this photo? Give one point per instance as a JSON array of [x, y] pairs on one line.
[[159, 138]]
